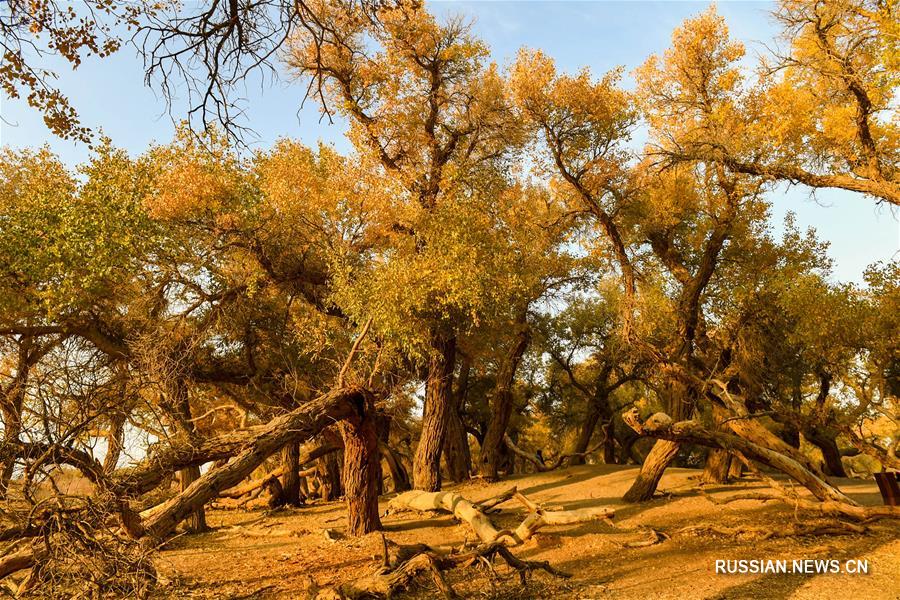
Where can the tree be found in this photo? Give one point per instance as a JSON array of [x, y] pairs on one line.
[[818, 114], [433, 156]]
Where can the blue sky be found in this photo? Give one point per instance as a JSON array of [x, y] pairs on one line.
[[602, 35]]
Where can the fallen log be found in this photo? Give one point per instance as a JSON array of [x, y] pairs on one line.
[[19, 560], [481, 525], [661, 426], [299, 425], [305, 459]]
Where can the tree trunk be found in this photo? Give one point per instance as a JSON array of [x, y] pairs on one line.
[[661, 456], [501, 403], [662, 427], [299, 425], [115, 440], [362, 469], [329, 472], [609, 444], [11, 402], [290, 476], [736, 469], [196, 521], [398, 472], [826, 442], [457, 456], [456, 445], [718, 464], [586, 433], [681, 403], [436, 413], [718, 461], [181, 410], [12, 428]]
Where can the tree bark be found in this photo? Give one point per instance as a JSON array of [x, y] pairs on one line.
[[586, 433], [196, 521], [826, 441], [290, 476], [115, 440], [362, 469], [661, 456], [718, 461], [12, 400], [299, 425], [502, 403], [457, 456], [181, 408], [436, 413], [736, 469], [609, 443]]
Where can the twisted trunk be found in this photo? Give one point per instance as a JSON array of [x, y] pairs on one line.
[[664, 451]]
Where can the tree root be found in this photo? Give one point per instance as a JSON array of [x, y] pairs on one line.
[[413, 561], [792, 530]]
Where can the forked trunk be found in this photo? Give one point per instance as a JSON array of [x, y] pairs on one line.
[[436, 413]]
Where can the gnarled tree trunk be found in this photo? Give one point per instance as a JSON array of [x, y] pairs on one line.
[[826, 441], [436, 412], [681, 404], [362, 468]]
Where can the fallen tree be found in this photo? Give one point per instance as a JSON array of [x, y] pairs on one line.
[[298, 425], [472, 514], [661, 426]]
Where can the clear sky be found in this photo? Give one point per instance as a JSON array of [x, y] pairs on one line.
[[602, 35]]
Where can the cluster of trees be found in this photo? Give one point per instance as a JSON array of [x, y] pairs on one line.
[[496, 249]]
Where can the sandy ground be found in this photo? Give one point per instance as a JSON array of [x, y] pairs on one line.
[[286, 554]]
